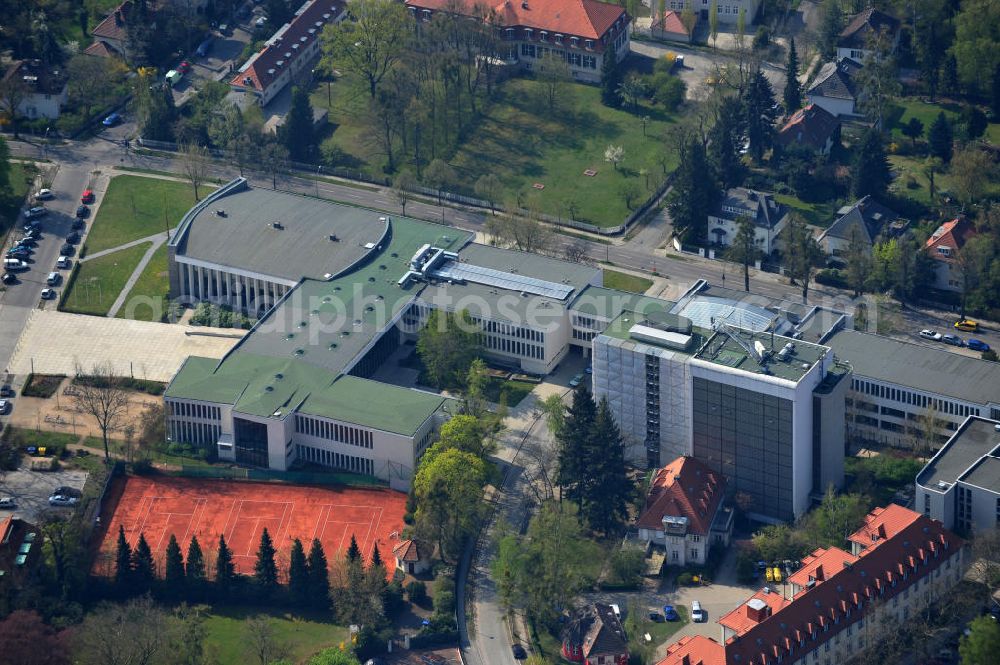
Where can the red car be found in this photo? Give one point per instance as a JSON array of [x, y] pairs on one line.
[[184, 67], [88, 196]]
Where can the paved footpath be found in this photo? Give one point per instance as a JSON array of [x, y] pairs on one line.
[[157, 242]]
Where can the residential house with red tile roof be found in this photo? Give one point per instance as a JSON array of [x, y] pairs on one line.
[[288, 56], [685, 512], [902, 562], [943, 246], [854, 40], [412, 557], [671, 27], [594, 636], [111, 31], [813, 127], [578, 31]]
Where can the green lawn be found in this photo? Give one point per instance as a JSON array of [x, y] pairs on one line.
[[817, 214], [514, 390], [136, 207], [927, 113], [99, 281], [524, 143], [226, 638], [22, 175], [911, 171], [625, 282], [152, 287]]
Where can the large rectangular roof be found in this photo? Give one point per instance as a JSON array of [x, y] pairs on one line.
[[575, 275], [609, 303], [918, 367], [976, 438]]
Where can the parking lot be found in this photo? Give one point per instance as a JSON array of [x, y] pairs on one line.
[[31, 490]]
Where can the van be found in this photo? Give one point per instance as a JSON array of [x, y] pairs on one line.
[[14, 265], [52, 279]]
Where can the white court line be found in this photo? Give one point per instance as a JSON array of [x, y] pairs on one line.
[[225, 527], [193, 524], [321, 521]]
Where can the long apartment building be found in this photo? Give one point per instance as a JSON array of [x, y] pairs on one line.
[[838, 603], [960, 486], [912, 395]]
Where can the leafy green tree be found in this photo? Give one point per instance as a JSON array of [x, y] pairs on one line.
[[173, 576], [225, 570], [123, 562], [298, 574], [977, 43], [913, 129], [872, 173], [610, 77], [793, 89], [744, 250], [949, 74], [630, 90], [878, 79], [334, 656], [608, 487], [995, 89], [143, 568], [695, 192], [476, 384], [713, 23], [837, 517], [489, 188], [831, 25], [156, 111], [555, 414], [689, 19], [370, 45], [777, 542], [973, 123], [298, 133], [982, 644], [940, 138], [319, 576], [440, 176], [725, 139], [447, 345], [669, 91], [449, 492], [279, 12], [759, 115], [574, 445], [466, 433], [972, 169], [859, 262], [802, 253]]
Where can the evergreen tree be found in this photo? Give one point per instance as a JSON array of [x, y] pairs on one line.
[[759, 115], [297, 133], [802, 253], [609, 489], [610, 77], [995, 89], [376, 557], [298, 574], [694, 194], [949, 74], [793, 89], [123, 562], [142, 565], [174, 567], [375, 586], [353, 551], [940, 138], [225, 571], [574, 444], [319, 577], [194, 569], [265, 570], [724, 143], [872, 172]]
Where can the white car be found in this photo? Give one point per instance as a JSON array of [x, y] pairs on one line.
[[64, 262], [697, 614], [48, 294], [4, 406], [7, 503], [930, 334], [44, 195]]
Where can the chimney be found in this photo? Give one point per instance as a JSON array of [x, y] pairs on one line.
[[757, 610]]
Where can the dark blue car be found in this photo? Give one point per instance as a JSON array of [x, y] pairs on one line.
[[669, 613], [977, 345], [112, 119]]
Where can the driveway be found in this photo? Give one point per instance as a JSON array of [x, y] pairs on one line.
[[31, 490]]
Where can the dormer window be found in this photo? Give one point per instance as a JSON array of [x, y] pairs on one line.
[[509, 34], [589, 44], [574, 42], [944, 251], [559, 38], [543, 35], [528, 33], [426, 14]]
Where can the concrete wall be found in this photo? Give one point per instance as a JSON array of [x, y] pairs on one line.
[[838, 107]]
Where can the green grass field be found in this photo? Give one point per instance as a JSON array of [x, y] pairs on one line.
[[21, 177], [135, 207], [817, 214], [524, 143], [514, 390], [226, 638], [927, 113], [152, 285], [99, 281], [625, 282], [913, 167]]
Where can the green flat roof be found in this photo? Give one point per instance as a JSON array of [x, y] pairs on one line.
[[373, 404], [722, 349]]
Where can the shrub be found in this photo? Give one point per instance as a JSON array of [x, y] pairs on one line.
[[416, 591], [685, 579], [42, 385], [746, 569], [444, 596], [831, 277], [627, 566], [762, 39]]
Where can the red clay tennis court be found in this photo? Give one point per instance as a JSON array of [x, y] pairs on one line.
[[185, 507]]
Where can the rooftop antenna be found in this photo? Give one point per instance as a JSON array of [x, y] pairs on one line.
[[772, 335]]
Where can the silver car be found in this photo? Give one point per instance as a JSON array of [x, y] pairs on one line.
[[60, 500]]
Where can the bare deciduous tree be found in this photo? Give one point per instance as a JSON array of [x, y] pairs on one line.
[[12, 93], [101, 394], [133, 633], [261, 642], [402, 188], [194, 162], [576, 252], [520, 229]]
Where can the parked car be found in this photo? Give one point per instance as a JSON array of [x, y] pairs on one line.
[[669, 613], [4, 406], [87, 196], [576, 380], [184, 67], [519, 652], [27, 241], [977, 345], [73, 238], [6, 390], [966, 325], [67, 250], [954, 340], [53, 279], [9, 278], [82, 211], [48, 294], [930, 334], [697, 614], [61, 500], [64, 262], [39, 211], [7, 503], [261, 21], [20, 253], [34, 225], [112, 120], [655, 616], [44, 194], [11, 264]]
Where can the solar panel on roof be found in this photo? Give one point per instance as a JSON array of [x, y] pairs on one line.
[[502, 280]]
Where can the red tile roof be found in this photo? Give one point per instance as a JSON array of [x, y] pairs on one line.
[[883, 523], [6, 526], [113, 25], [819, 566], [589, 19], [811, 126], [758, 607], [954, 235], [672, 23], [409, 550], [102, 50], [914, 547], [684, 488], [262, 69]]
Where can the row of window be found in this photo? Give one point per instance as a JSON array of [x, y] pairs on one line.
[[587, 322], [182, 431], [191, 410], [585, 335], [508, 329], [335, 460], [323, 429], [914, 399], [504, 345], [573, 59]]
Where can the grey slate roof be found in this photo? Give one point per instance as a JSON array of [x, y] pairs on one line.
[[973, 440], [919, 367], [836, 80], [864, 25], [866, 214], [761, 206]]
